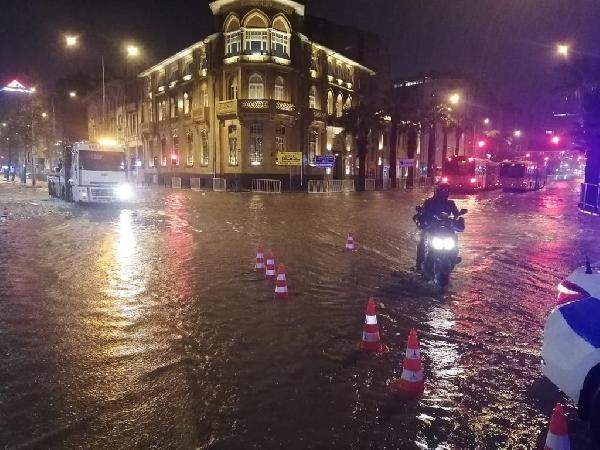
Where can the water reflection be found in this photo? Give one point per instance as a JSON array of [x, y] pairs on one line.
[[180, 243]]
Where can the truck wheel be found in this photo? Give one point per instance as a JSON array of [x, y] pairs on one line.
[[594, 418]]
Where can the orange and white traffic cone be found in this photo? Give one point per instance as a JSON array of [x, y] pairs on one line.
[[281, 288], [412, 381], [350, 247], [270, 271], [558, 435], [371, 339], [260, 259]]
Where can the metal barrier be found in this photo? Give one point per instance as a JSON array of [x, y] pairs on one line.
[[386, 184], [590, 198], [219, 185], [201, 184], [176, 182], [317, 187], [264, 186], [334, 186], [154, 179], [348, 185], [369, 184]]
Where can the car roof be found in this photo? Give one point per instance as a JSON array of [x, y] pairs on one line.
[[589, 282], [583, 316]]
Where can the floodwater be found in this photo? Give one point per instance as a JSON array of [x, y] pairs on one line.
[[146, 326]]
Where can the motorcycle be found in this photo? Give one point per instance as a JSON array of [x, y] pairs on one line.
[[441, 245]]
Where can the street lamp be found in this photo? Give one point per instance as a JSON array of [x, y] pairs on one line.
[[133, 51], [517, 133], [486, 121], [563, 50], [71, 41], [44, 115], [454, 98], [73, 94]]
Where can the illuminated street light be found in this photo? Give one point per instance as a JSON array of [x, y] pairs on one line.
[[517, 133], [486, 121], [73, 94], [71, 41], [4, 124], [454, 98], [555, 140], [44, 115], [133, 51], [562, 50], [481, 143]]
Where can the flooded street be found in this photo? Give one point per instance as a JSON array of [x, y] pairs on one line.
[[147, 326]]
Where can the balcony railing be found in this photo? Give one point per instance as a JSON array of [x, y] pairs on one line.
[[148, 127], [317, 115], [249, 106]]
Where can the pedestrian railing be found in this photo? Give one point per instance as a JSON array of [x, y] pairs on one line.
[[369, 184], [335, 186], [317, 187], [348, 185], [176, 182], [219, 185], [201, 184], [590, 198], [264, 186]]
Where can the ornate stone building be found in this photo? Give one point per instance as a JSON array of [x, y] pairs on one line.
[[226, 105]]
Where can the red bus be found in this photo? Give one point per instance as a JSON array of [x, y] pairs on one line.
[[468, 174]]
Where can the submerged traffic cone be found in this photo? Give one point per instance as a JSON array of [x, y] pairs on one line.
[[281, 289], [412, 382], [350, 247], [558, 436], [371, 340], [270, 271], [260, 259]]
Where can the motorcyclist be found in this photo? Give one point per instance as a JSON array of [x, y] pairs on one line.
[[436, 205]]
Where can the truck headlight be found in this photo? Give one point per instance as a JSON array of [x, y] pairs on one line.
[[124, 192]]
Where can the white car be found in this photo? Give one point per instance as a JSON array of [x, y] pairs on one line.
[[571, 349]]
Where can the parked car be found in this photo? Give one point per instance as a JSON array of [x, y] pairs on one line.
[[571, 348]]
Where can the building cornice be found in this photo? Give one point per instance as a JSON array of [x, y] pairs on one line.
[[177, 56], [337, 55], [217, 5]]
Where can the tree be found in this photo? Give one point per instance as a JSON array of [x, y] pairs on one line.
[[360, 121]]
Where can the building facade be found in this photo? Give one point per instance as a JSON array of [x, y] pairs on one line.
[[227, 105]]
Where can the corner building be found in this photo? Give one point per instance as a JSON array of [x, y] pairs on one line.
[[226, 105]]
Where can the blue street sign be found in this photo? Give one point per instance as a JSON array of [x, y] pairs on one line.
[[325, 161]]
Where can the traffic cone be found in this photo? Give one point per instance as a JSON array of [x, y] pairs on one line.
[[412, 382], [281, 289], [558, 435], [260, 259], [371, 340], [350, 247], [270, 271]]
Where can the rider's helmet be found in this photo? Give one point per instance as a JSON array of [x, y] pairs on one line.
[[442, 191]]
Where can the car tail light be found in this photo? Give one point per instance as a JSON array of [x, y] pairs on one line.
[[570, 292]]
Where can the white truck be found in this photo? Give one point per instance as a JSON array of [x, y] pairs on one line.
[[91, 173]]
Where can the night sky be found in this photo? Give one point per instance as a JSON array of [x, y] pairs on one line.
[[508, 43]]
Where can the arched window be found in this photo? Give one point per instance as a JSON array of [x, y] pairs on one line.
[[256, 144], [280, 37], [232, 89], [203, 97], [348, 103], [330, 103], [256, 87], [187, 100], [163, 152], [188, 70], [174, 77], [204, 148], [339, 106], [232, 137], [190, 149], [313, 145], [233, 35], [280, 138], [312, 98], [279, 89], [256, 32]]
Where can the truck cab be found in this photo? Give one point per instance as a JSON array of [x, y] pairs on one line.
[[91, 173]]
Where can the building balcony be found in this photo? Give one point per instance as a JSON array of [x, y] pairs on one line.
[[148, 127], [282, 60], [316, 115], [233, 108], [200, 115]]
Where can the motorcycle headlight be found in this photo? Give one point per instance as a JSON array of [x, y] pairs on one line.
[[437, 243], [449, 243], [124, 192]]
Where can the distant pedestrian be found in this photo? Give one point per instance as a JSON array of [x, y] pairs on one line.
[[12, 173]]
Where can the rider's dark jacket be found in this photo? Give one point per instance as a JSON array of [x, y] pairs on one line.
[[436, 206]]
